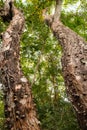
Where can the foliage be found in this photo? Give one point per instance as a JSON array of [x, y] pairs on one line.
[[41, 62], [1, 111]]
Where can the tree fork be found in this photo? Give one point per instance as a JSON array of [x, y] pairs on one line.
[[20, 110], [74, 63]]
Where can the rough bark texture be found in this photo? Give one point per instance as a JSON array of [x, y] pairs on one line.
[[19, 107], [74, 66]]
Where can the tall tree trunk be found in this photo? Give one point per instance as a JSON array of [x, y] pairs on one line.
[[74, 64], [19, 107]]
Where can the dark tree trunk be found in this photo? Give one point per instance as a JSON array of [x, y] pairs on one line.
[[74, 64], [19, 107]]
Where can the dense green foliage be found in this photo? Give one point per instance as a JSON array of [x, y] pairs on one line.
[[41, 61]]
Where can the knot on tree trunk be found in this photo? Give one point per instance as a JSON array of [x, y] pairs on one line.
[[7, 12]]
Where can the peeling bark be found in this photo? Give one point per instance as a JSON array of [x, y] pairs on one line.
[[74, 64], [20, 110]]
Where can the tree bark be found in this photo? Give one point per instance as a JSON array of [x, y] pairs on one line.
[[74, 64], [20, 110]]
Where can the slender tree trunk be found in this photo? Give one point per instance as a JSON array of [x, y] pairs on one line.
[[74, 64], [20, 112]]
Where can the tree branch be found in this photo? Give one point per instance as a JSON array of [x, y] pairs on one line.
[[58, 8], [49, 19]]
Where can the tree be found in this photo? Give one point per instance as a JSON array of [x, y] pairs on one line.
[[20, 110], [74, 62]]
